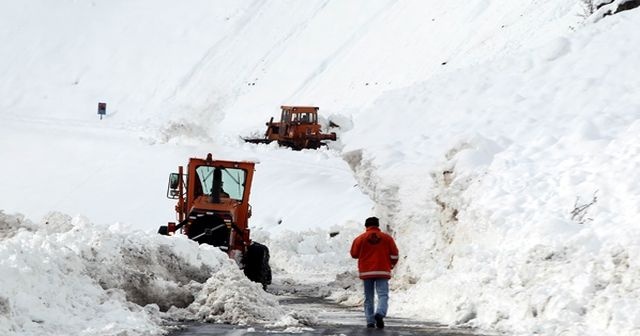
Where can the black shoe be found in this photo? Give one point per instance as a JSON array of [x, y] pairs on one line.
[[371, 325], [379, 321]]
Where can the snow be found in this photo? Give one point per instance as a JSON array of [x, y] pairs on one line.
[[498, 141]]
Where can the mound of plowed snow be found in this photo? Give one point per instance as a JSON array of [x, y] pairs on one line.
[[67, 275]]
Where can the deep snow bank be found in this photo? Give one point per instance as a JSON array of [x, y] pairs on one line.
[[65, 275], [513, 188]]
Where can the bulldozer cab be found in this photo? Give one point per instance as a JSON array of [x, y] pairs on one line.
[[299, 115], [213, 202], [297, 121]]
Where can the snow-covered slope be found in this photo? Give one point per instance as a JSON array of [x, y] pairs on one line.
[[235, 62], [520, 185], [498, 141]]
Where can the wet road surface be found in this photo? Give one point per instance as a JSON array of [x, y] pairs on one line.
[[333, 319]]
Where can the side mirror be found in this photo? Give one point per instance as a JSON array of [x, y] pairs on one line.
[[174, 180], [172, 188]]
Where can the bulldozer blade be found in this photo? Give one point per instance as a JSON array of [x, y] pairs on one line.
[[257, 141]]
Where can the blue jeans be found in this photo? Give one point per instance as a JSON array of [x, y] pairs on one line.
[[382, 289]]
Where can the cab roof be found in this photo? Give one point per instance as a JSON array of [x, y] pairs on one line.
[[300, 108]]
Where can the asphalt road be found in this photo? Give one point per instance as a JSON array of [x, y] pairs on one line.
[[332, 320]]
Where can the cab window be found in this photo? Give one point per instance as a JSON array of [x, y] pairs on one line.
[[232, 180]]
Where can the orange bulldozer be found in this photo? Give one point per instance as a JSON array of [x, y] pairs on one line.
[[298, 128]]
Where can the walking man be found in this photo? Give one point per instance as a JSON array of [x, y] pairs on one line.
[[377, 254]]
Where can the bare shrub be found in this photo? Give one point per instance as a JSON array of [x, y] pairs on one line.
[[579, 212]]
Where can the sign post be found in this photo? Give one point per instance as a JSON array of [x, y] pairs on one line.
[[102, 109]]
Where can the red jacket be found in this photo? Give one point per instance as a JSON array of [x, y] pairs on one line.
[[376, 252]]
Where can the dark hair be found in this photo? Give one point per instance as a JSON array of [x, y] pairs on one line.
[[371, 221]]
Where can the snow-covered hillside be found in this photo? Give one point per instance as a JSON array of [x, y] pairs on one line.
[[497, 140]]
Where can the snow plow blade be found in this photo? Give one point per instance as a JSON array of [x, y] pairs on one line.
[[257, 141]]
